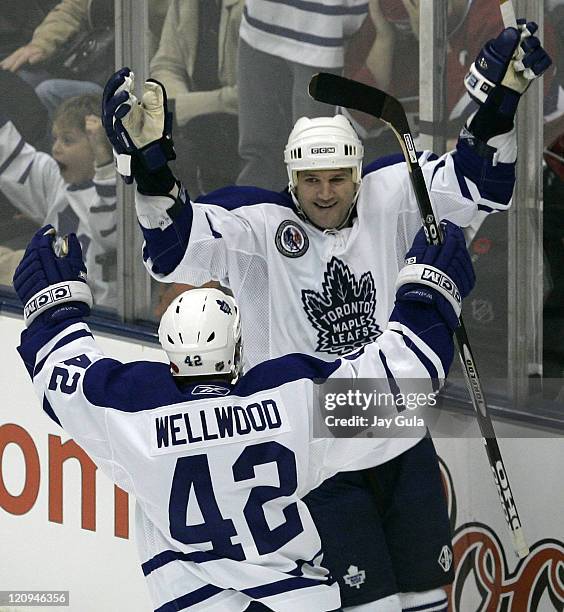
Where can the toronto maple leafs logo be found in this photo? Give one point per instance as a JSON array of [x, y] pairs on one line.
[[224, 306], [354, 577], [343, 312]]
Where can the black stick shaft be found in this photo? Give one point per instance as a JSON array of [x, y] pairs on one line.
[[336, 90]]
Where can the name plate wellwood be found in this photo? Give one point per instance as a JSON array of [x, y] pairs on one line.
[[216, 421]]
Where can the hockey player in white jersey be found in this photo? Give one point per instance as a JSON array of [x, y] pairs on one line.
[[314, 268], [74, 188], [219, 460]]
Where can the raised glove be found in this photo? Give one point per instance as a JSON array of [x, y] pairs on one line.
[[438, 274], [506, 66], [52, 284], [140, 132]]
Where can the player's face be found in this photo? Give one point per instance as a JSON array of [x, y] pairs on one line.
[[72, 151], [326, 195]]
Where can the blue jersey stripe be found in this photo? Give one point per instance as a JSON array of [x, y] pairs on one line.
[[103, 208], [440, 165], [233, 197], [430, 606], [48, 409], [425, 322], [298, 570], [107, 232], [320, 41], [81, 186], [25, 174], [166, 247], [81, 333], [277, 372], [494, 183], [145, 385], [316, 7], [462, 184], [12, 155], [427, 363], [104, 191], [485, 208], [168, 556], [190, 599], [282, 586], [394, 388], [390, 160]]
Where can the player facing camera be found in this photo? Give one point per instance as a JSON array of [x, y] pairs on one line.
[[324, 163]]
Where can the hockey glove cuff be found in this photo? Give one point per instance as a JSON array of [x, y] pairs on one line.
[[438, 274], [51, 278]]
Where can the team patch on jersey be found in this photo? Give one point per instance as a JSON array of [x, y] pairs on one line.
[[291, 239], [445, 558], [354, 577], [343, 312]]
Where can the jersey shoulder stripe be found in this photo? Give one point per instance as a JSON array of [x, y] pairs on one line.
[[494, 183], [233, 197], [277, 372], [146, 385], [392, 160]]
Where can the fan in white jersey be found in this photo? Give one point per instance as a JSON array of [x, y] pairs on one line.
[[314, 269], [239, 447], [74, 188]]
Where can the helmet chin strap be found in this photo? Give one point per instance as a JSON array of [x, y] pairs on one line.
[[304, 216]]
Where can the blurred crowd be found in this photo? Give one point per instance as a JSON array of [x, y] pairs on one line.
[[236, 73]]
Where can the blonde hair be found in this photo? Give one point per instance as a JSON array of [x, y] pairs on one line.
[[74, 111]]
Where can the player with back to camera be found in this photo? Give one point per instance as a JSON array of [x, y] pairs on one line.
[[314, 270], [200, 434]]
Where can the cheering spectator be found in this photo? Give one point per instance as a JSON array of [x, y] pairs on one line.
[[73, 189], [197, 62]]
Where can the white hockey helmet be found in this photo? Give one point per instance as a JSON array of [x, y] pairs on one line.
[[200, 332], [323, 143]]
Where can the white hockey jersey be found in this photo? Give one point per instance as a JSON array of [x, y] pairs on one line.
[[312, 32], [323, 293], [218, 472], [31, 180]]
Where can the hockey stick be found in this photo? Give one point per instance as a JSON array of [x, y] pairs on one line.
[[507, 13], [339, 91]]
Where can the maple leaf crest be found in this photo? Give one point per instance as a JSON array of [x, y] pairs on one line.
[[343, 312]]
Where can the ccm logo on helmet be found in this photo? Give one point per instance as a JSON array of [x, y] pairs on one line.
[[322, 150]]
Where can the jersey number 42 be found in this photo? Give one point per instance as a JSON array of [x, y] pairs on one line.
[[193, 474]]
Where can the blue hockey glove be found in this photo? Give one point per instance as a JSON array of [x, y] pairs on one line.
[[506, 66], [438, 274], [49, 283], [140, 132]]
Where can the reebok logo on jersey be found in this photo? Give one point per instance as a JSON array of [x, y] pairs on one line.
[[343, 312], [210, 390]]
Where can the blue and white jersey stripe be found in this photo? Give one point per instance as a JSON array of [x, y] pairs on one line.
[[303, 31]]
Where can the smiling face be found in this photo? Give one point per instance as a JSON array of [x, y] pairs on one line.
[[73, 153], [326, 196]]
